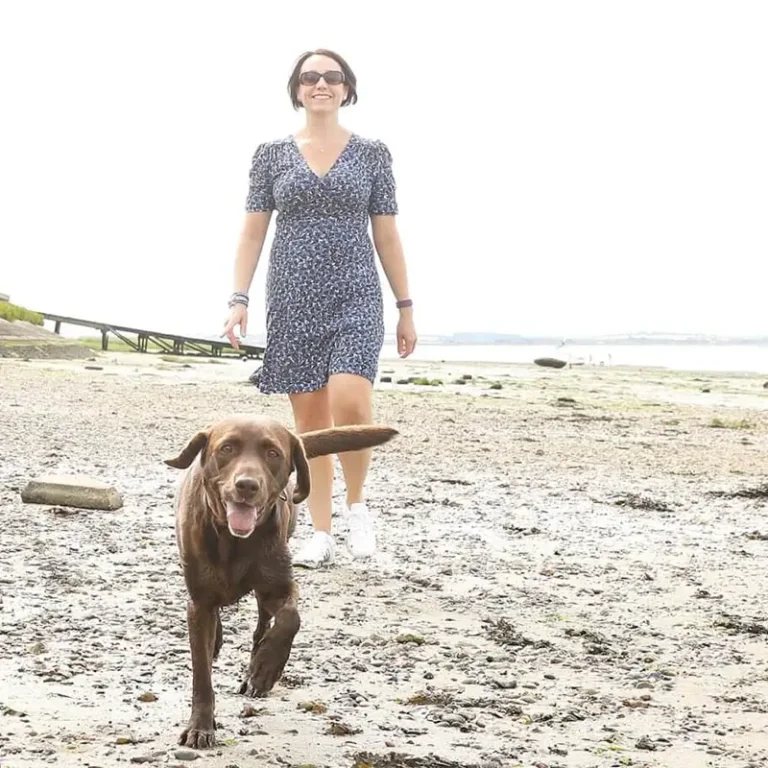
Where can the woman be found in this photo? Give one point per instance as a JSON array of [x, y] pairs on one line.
[[325, 327]]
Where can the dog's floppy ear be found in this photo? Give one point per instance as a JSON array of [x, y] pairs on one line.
[[299, 458], [190, 450]]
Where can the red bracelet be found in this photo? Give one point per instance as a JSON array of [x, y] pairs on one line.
[[404, 303]]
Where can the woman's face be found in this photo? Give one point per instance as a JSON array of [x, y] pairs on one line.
[[316, 93]]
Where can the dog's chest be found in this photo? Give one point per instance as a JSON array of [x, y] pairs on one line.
[[224, 577], [221, 588]]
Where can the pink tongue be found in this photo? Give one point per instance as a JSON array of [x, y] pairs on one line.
[[241, 516]]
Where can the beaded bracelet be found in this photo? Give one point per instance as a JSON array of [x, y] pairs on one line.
[[238, 297]]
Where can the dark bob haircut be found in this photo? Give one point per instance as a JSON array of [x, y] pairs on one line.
[[349, 77]]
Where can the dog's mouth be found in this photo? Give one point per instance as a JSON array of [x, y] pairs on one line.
[[242, 518]]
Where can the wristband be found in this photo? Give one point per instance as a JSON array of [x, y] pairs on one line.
[[404, 303], [238, 298]]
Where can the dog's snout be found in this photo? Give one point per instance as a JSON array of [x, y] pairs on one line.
[[247, 485]]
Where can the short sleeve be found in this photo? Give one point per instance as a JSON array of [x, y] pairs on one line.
[[260, 185], [383, 191]]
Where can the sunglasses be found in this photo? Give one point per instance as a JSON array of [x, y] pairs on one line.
[[334, 77]]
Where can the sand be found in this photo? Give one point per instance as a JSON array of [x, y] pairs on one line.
[[572, 572]]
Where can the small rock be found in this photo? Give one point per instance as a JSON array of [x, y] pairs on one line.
[[185, 754], [646, 744], [410, 638], [250, 711], [147, 697], [36, 648], [342, 729]]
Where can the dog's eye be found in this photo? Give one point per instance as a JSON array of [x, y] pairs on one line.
[[226, 448], [273, 454]]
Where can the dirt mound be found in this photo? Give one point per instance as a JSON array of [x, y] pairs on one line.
[[20, 339]]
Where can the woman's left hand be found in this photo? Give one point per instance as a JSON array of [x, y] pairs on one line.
[[406, 335]]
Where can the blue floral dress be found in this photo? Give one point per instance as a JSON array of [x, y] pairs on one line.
[[324, 299]]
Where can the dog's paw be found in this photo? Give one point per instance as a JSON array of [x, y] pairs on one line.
[[199, 734], [249, 688], [266, 669]]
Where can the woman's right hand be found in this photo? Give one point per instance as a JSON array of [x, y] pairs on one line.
[[238, 315]]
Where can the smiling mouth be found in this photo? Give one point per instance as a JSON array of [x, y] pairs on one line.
[[242, 518]]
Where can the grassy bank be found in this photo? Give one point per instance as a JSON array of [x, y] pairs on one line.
[[12, 312], [118, 345], [115, 344]]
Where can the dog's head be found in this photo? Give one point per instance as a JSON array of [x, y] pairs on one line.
[[246, 464]]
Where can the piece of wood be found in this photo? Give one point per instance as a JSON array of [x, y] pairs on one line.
[[72, 491]]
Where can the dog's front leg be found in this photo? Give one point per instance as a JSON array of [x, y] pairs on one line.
[[258, 636], [201, 624], [268, 657]]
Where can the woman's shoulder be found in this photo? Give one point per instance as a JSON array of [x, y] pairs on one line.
[[375, 148], [371, 143], [269, 149]]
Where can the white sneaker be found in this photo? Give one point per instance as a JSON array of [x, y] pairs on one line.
[[361, 539], [319, 550]]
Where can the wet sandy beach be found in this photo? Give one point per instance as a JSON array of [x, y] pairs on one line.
[[572, 572]]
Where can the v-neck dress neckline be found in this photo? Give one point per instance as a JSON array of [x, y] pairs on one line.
[[325, 175]]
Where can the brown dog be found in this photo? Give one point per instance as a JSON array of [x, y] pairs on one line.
[[235, 511]]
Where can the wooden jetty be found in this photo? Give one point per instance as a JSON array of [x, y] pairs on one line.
[[172, 343]]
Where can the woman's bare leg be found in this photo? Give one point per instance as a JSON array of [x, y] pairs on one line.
[[311, 410], [351, 403]]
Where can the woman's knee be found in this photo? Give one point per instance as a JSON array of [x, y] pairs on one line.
[[350, 400], [311, 410]]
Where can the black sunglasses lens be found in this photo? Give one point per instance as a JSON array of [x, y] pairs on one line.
[[312, 78], [334, 78]]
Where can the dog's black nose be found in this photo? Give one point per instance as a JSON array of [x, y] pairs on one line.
[[247, 485]]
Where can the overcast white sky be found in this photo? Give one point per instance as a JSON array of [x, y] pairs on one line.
[[563, 167]]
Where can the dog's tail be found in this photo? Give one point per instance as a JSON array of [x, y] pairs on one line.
[[322, 442]]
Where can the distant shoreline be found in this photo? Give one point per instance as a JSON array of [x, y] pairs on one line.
[[644, 341], [650, 340]]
